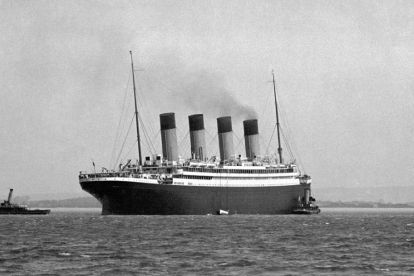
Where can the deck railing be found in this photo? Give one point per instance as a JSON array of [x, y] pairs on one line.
[[111, 174]]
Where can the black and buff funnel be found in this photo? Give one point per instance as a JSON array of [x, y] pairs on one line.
[[169, 137], [251, 138], [197, 136], [225, 135]]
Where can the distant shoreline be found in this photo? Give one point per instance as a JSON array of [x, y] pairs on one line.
[[91, 202], [362, 204], [367, 210]]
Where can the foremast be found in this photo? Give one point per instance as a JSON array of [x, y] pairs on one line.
[[136, 112]]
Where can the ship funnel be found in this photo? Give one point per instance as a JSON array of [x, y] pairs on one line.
[[10, 195], [197, 136], [169, 137], [251, 138], [225, 135]]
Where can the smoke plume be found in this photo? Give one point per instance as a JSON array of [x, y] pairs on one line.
[[207, 93]]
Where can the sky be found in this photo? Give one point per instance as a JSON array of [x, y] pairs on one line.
[[344, 73]]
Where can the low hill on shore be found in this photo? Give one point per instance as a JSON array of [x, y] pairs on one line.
[[363, 204], [79, 202]]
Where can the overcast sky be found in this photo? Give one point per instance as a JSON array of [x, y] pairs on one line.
[[344, 70]]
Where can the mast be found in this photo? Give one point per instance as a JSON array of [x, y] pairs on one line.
[[136, 111], [277, 121]]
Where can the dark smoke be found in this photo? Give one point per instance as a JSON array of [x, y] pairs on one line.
[[206, 93]]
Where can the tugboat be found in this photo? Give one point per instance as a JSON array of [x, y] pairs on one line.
[[306, 205], [8, 208]]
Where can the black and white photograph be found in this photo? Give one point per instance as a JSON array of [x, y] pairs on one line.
[[239, 137]]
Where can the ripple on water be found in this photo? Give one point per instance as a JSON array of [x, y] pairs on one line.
[[330, 243]]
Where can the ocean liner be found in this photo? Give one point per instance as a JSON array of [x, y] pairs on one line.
[[231, 184]]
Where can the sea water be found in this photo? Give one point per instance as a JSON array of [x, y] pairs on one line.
[[335, 242]]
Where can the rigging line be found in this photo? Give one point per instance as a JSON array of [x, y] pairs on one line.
[[158, 149], [263, 119], [148, 76], [120, 152], [283, 112], [272, 148], [156, 138], [187, 146], [149, 126], [142, 107], [292, 153], [126, 155], [214, 151], [179, 132], [147, 149], [186, 143], [119, 123], [123, 127], [287, 145], [148, 143], [182, 142], [163, 85], [262, 142], [144, 114], [240, 140], [270, 141], [297, 156], [285, 122], [289, 139], [146, 135], [212, 143], [279, 105], [294, 147], [209, 134]]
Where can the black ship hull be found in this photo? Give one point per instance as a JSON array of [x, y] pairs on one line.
[[132, 198]]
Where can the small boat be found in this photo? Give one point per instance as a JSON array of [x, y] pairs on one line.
[[306, 206], [306, 211], [223, 212], [8, 208]]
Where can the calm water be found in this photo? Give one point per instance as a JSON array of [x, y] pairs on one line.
[[340, 242]]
